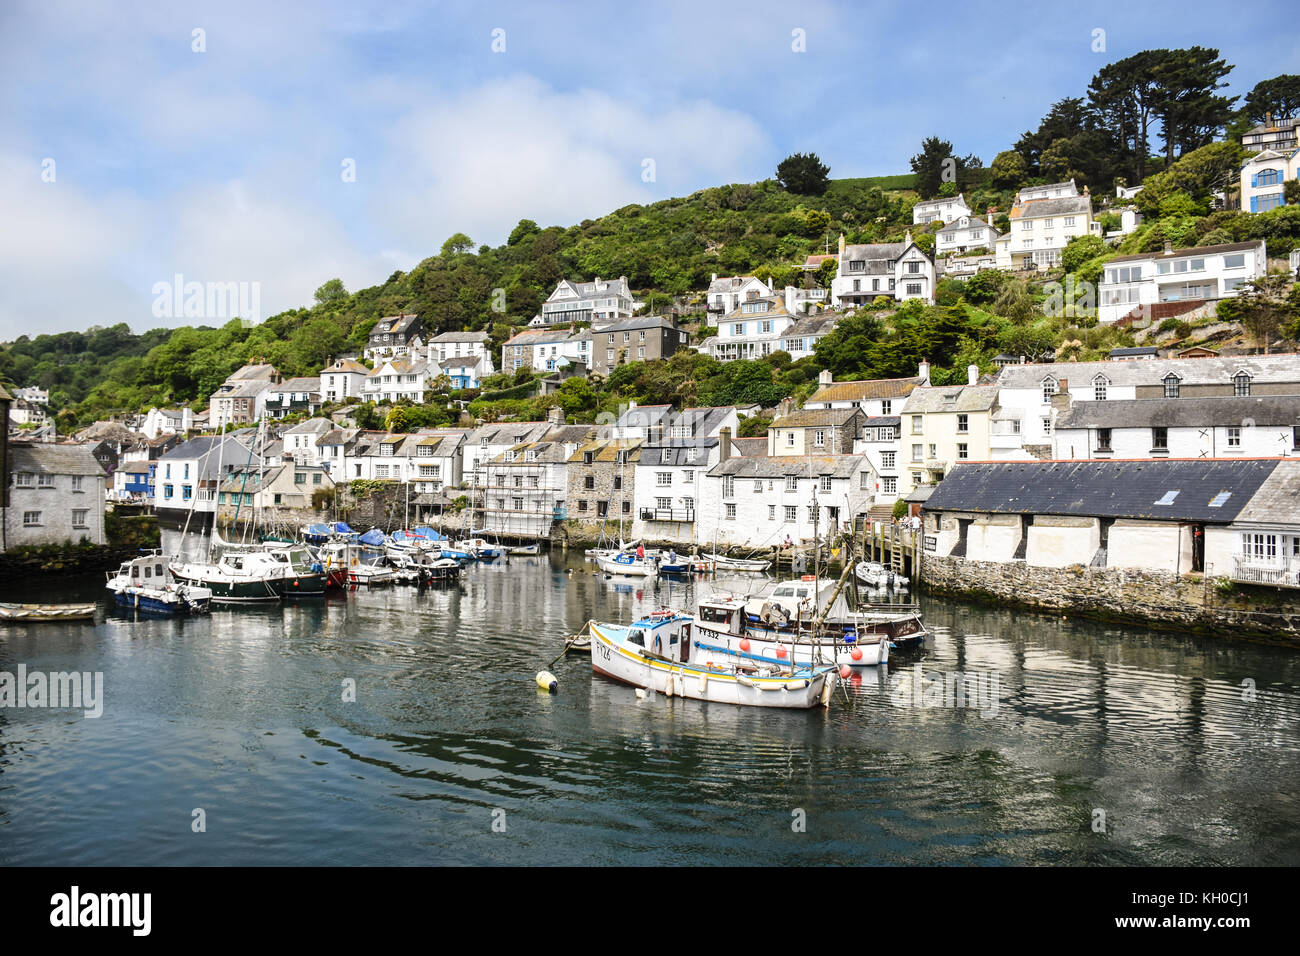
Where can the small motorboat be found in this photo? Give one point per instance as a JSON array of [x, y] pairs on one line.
[[42, 613], [628, 566], [147, 584], [524, 550], [876, 575], [724, 563]]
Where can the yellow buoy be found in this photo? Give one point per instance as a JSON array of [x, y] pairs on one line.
[[547, 682]]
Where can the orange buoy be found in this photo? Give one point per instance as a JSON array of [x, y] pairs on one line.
[[856, 654], [744, 644], [845, 671], [780, 652]]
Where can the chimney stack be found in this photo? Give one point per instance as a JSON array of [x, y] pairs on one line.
[[923, 370], [1169, 247], [555, 415], [825, 377], [724, 444], [972, 374]]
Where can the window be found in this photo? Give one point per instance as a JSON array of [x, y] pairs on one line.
[[299, 478], [890, 485], [758, 487], [1235, 261], [789, 438], [1234, 437], [688, 477], [666, 456], [663, 478], [791, 514], [589, 482], [962, 451], [886, 406], [1171, 385], [934, 450], [771, 512], [916, 424], [23, 479], [1103, 439], [1099, 388], [824, 484], [731, 511], [618, 482], [663, 504], [31, 519], [1160, 439], [887, 459], [627, 507], [791, 484], [1049, 389], [819, 438], [1069, 222], [44, 481], [76, 483], [1241, 384], [963, 424], [728, 486], [1047, 426], [315, 478], [916, 453], [602, 508], [914, 288]]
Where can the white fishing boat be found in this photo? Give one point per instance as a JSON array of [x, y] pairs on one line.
[[876, 575], [238, 577], [146, 584], [628, 566], [724, 563], [42, 613], [782, 608], [370, 575], [656, 653], [721, 621]]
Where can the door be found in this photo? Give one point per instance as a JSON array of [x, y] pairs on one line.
[[1198, 547], [686, 643]]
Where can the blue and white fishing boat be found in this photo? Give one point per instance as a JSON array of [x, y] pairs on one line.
[[147, 584], [656, 653], [625, 565]]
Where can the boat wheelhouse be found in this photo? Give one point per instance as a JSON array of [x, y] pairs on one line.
[[145, 583]]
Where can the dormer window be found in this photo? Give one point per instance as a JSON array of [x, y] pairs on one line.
[[1172, 382], [1050, 388], [1099, 388], [1241, 384]]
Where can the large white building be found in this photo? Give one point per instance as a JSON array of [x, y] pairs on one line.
[[941, 209], [396, 379], [895, 270], [600, 302], [1263, 426], [1043, 220], [965, 234], [343, 380], [726, 294], [750, 331], [1194, 275], [1264, 177], [541, 349]]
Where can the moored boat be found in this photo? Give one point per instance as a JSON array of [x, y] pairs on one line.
[[238, 577], [146, 584], [627, 566], [722, 620], [656, 653], [790, 607], [42, 613]]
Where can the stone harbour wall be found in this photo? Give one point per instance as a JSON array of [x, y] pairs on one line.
[[1155, 599]]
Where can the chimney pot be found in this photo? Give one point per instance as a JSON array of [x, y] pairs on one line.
[[724, 443], [923, 372], [1169, 247], [825, 377], [972, 374]]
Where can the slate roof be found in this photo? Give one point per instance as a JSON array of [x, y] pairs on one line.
[[345, 365], [643, 416], [394, 324], [207, 445], [547, 335], [1183, 412], [815, 466], [644, 322], [1130, 352], [306, 384], [875, 388], [1275, 501], [242, 388], [815, 417], [812, 325], [401, 366], [47, 458], [875, 256], [775, 309], [607, 449], [678, 452], [749, 447], [1190, 251], [460, 337], [1106, 489], [1263, 369], [312, 426], [699, 421], [966, 398], [728, 284], [1057, 206]]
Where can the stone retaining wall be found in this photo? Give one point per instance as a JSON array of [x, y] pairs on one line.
[[1155, 599]]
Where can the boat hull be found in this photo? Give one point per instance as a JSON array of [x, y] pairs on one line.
[[233, 591]]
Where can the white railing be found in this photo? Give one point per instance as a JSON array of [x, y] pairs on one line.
[[1281, 572]]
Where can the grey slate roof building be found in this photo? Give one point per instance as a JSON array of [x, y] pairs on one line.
[[1182, 412], [1278, 369], [1211, 491], [802, 466]]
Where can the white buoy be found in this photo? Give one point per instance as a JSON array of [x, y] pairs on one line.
[[547, 682], [640, 693]]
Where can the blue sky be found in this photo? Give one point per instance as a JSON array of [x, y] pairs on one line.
[[225, 165]]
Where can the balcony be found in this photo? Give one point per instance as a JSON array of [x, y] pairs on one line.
[[1280, 572], [668, 514]]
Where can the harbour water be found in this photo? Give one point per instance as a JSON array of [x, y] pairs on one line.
[[1084, 743]]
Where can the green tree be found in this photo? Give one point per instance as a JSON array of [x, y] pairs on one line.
[[1009, 170], [936, 164], [803, 174], [457, 244], [1278, 98], [331, 292]]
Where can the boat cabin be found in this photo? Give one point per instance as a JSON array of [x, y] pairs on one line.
[[722, 616], [664, 633], [144, 570]]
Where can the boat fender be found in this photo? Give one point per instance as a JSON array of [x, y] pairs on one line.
[[780, 651], [827, 690], [744, 644], [856, 654], [846, 671], [547, 682]]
